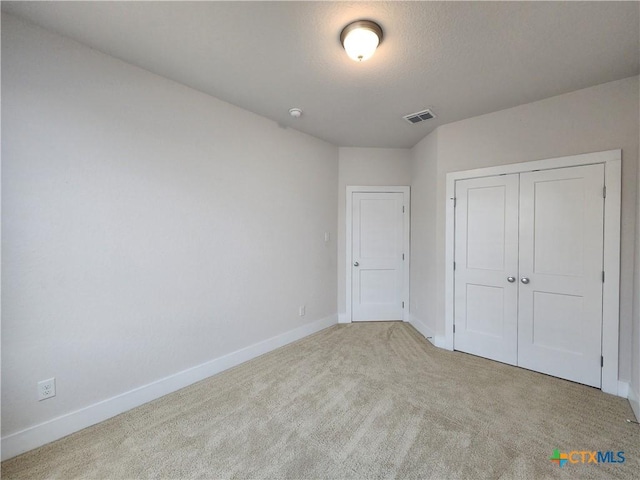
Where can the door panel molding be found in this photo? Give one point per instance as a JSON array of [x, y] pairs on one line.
[[611, 160], [405, 191]]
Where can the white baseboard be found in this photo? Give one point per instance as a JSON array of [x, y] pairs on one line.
[[634, 400], [623, 389], [421, 327], [38, 435], [441, 342], [342, 318], [427, 332]]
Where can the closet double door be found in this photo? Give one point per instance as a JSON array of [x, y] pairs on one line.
[[529, 270]]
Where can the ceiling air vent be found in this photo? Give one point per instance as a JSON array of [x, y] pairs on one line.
[[419, 116]]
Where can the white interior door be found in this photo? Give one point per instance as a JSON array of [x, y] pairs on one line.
[[377, 256], [561, 258], [486, 267]]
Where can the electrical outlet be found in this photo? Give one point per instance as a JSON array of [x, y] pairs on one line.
[[46, 389], [302, 311]]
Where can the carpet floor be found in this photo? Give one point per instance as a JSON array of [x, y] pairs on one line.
[[367, 400]]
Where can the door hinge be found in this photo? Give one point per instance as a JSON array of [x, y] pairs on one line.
[[604, 192], [454, 328], [402, 208], [454, 265], [402, 304], [403, 256], [603, 276], [601, 361], [454, 202]]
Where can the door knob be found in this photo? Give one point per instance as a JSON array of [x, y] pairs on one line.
[[524, 280], [511, 279], [355, 264]]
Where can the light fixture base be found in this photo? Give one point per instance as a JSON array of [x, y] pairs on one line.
[[366, 24]]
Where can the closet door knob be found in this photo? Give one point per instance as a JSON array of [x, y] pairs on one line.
[[355, 264], [511, 279], [524, 280]]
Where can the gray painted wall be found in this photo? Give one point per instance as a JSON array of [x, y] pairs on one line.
[[635, 374], [424, 176], [147, 227]]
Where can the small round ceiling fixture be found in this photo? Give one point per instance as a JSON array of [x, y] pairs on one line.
[[295, 112], [360, 39]]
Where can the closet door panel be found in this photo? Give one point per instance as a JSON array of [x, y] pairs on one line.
[[560, 268], [486, 254]]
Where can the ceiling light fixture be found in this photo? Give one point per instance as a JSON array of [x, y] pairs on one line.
[[360, 39]]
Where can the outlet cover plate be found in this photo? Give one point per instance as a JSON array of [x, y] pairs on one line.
[[46, 389]]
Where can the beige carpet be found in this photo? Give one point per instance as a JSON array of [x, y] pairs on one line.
[[371, 400]]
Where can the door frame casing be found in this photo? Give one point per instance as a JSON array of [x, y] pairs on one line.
[[612, 160], [406, 193]]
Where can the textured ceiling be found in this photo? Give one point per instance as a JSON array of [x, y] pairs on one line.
[[461, 59]]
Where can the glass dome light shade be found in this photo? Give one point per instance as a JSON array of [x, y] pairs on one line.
[[360, 39]]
